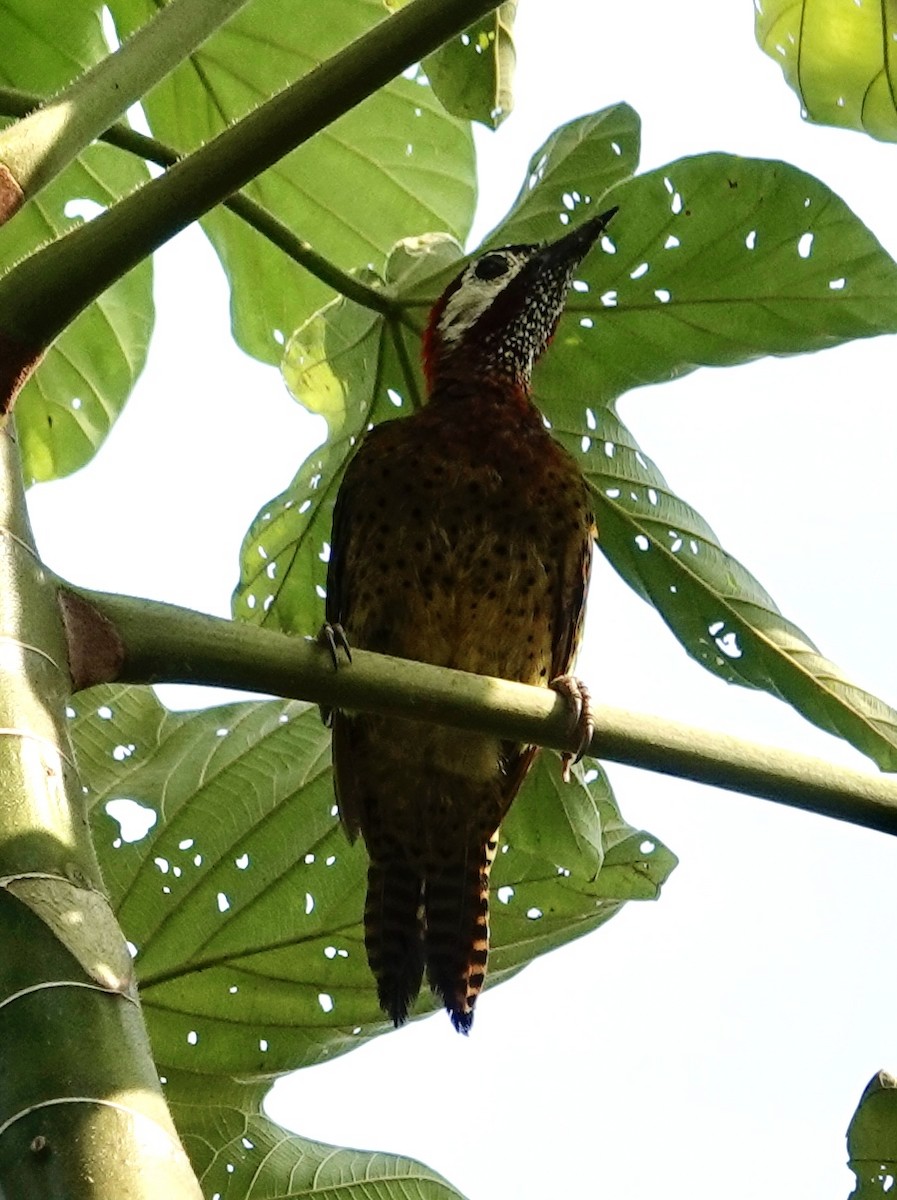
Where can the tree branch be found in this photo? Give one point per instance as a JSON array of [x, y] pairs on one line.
[[38, 147], [47, 290], [162, 643]]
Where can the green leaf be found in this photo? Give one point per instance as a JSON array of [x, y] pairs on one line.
[[238, 1152], [569, 827], [354, 367], [841, 60], [473, 75], [545, 886], [712, 261], [284, 555], [42, 52], [570, 172], [243, 898], [397, 164], [244, 890], [872, 1139], [69, 405], [719, 612]]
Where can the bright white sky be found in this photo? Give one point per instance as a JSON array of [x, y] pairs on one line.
[[715, 1043]]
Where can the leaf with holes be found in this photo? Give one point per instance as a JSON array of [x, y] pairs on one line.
[[232, 878], [239, 890], [872, 1139], [354, 367], [717, 609], [68, 406], [841, 59], [332, 366], [713, 261], [568, 175], [734, 244], [719, 612], [544, 885], [473, 74], [575, 832], [395, 165], [237, 1152]]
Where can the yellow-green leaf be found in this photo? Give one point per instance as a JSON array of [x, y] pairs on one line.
[[872, 1139], [473, 75], [234, 881], [840, 56]]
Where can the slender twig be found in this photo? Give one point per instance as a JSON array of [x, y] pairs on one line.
[[44, 292], [163, 643]]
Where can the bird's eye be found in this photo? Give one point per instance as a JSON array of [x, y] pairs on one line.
[[493, 266]]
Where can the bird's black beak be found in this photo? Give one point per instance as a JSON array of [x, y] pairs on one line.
[[571, 249]]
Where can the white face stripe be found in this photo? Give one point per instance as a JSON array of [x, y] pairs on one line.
[[474, 295]]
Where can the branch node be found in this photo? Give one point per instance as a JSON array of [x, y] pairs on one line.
[[17, 360], [95, 648], [11, 195]]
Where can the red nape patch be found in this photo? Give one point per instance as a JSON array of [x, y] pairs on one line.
[[431, 343]]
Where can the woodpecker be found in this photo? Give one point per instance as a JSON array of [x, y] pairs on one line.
[[462, 537]]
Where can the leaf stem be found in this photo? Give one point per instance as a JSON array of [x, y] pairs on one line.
[[164, 643], [42, 144], [407, 367]]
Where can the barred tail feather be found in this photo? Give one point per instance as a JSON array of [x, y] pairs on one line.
[[456, 907], [393, 936]]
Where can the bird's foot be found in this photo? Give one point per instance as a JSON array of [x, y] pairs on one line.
[[333, 639], [579, 699]]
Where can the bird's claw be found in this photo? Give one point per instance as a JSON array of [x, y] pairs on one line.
[[579, 699], [333, 639]]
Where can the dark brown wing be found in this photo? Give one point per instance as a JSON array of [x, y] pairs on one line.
[[347, 783], [570, 607], [347, 517], [570, 602]]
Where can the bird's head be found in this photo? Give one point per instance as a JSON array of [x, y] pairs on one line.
[[500, 312]]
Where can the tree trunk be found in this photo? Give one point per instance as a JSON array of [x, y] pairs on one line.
[[81, 1108]]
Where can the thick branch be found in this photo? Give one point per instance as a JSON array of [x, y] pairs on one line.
[[39, 146], [161, 643], [43, 293]]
